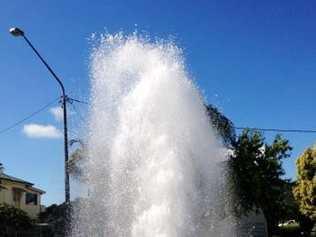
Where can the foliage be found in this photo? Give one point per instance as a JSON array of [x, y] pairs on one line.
[[222, 125], [76, 159], [55, 215], [257, 176], [305, 188], [73, 165], [59, 216], [13, 219]]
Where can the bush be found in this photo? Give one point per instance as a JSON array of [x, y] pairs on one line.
[[13, 220], [56, 216]]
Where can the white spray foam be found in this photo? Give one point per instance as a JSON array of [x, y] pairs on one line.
[[154, 166]]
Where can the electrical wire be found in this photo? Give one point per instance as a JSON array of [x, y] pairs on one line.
[[84, 102], [78, 113], [250, 128], [278, 130], [79, 101], [13, 125]]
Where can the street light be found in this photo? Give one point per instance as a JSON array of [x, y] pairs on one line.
[[18, 32]]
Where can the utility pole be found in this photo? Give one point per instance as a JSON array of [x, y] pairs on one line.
[[18, 32]]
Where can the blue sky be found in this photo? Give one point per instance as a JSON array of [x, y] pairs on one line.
[[255, 60]]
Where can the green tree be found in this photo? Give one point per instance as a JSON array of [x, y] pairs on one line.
[[73, 164], [223, 126], [305, 189], [257, 176], [76, 158], [56, 216], [13, 220]]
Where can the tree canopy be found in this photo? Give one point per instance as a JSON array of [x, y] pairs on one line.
[[75, 162], [223, 126], [257, 176], [305, 188]]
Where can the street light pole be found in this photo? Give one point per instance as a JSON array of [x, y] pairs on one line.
[[18, 32]]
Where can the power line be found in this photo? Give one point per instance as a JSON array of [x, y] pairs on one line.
[[84, 102], [28, 117], [78, 113], [277, 130], [79, 101], [250, 128]]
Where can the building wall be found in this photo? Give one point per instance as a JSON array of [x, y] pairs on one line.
[[6, 196], [32, 209]]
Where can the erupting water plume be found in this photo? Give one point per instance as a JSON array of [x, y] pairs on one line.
[[153, 164]]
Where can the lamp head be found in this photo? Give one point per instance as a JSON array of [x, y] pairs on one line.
[[16, 32]]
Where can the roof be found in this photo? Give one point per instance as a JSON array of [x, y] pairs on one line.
[[37, 190], [28, 185], [14, 179]]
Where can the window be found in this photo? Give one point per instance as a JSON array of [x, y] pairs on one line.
[[17, 195], [30, 198]]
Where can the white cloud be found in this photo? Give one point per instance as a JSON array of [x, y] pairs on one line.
[[34, 130], [57, 112]]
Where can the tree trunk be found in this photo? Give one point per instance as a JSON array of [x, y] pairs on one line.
[[269, 228], [270, 224]]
